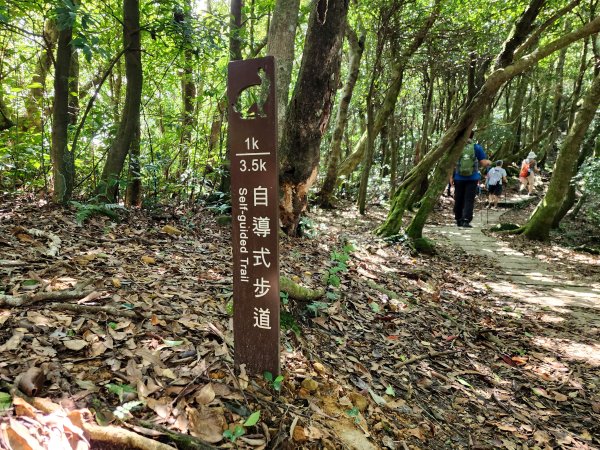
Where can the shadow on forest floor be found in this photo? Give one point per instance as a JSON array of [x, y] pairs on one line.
[[406, 351]]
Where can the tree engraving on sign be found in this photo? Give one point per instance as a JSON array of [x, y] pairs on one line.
[[254, 199]]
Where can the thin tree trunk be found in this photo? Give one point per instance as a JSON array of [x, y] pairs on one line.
[[133, 194], [514, 119], [310, 108], [357, 46], [5, 120], [587, 149], [368, 156], [74, 88], [540, 222], [188, 92], [63, 169], [282, 35], [34, 103], [109, 181], [389, 102]]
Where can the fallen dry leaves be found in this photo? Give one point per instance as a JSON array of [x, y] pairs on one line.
[[415, 353]]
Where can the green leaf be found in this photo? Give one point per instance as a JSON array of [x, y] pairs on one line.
[[332, 295], [172, 343], [35, 85], [5, 401], [352, 412], [463, 382], [30, 283], [253, 419], [374, 307], [334, 280], [268, 376], [390, 391]]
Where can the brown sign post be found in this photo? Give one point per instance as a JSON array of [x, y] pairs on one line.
[[254, 200]]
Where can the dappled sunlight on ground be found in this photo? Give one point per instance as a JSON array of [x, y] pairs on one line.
[[570, 350]]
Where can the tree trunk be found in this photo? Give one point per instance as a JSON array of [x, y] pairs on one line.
[[514, 120], [133, 194], [310, 108], [389, 102], [5, 120], [235, 30], [357, 46], [453, 141], [368, 156], [109, 181], [188, 91], [540, 222], [63, 165], [282, 35], [74, 88], [34, 103], [587, 150]]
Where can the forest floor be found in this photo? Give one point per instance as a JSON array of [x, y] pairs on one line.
[[456, 350]]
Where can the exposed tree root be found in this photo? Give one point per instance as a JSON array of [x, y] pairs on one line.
[[298, 292]]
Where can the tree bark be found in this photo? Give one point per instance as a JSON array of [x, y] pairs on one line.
[[357, 46], [33, 104], [282, 35], [389, 102], [188, 92], [109, 181], [63, 164], [133, 194], [310, 108], [540, 222], [5, 120]]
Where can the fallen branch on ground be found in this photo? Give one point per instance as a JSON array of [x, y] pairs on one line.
[[29, 299], [183, 441], [109, 310]]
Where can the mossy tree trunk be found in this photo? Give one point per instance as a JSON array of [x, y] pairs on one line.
[[539, 224], [587, 150], [63, 164], [357, 46], [310, 108], [130, 117]]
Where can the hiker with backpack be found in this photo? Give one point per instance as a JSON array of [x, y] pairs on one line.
[[495, 177], [466, 179], [527, 173]]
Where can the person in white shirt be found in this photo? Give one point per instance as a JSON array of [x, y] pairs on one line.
[[495, 177]]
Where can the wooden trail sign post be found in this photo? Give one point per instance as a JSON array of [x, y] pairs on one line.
[[255, 212]]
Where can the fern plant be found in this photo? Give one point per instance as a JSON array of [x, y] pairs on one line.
[[88, 210]]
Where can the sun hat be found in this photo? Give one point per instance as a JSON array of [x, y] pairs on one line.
[[531, 155]]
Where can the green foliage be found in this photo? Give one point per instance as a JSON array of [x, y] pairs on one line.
[[236, 433], [274, 382], [88, 210], [120, 390], [240, 430], [5, 401], [588, 181]]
